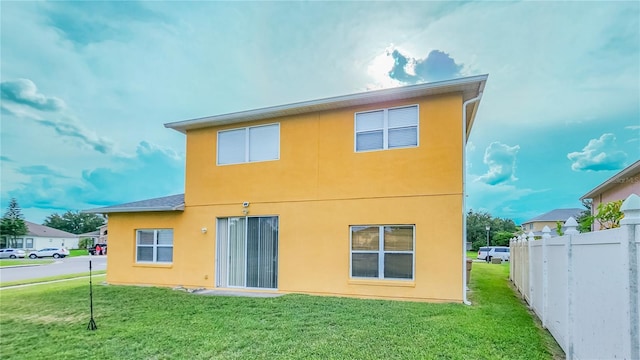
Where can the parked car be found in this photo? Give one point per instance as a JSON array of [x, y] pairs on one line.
[[501, 252], [46, 252], [11, 253], [92, 249], [483, 252]]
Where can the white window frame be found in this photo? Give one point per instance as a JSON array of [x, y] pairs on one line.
[[154, 246], [385, 128], [381, 253], [246, 144]]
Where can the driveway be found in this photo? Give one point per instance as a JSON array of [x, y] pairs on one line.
[[65, 266]]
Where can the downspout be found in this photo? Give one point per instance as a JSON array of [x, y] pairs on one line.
[[464, 197]]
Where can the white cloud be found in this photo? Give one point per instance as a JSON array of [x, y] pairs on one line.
[[501, 160], [633, 127], [22, 100], [500, 200], [154, 171], [25, 92], [599, 154], [590, 63]]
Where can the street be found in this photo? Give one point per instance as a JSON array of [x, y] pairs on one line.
[[69, 265]]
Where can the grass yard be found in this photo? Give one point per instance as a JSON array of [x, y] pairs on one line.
[[78, 252], [26, 261], [51, 278], [50, 321]]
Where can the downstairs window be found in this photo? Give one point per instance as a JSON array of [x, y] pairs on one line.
[[154, 246], [382, 251]]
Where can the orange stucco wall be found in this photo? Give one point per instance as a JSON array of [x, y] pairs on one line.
[[318, 188]]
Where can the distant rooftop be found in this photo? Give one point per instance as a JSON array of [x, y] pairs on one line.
[[166, 203], [45, 231], [90, 234], [556, 215]]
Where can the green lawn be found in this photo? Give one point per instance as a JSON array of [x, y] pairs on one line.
[[50, 321], [26, 261], [78, 252], [51, 278]]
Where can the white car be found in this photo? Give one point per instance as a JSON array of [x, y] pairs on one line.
[[483, 252], [502, 252], [46, 252], [11, 253]]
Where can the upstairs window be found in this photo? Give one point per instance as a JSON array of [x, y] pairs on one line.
[[387, 129], [249, 144]]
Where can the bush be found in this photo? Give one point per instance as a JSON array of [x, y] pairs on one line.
[[85, 243]]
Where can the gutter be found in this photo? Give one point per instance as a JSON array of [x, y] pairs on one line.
[[464, 197]]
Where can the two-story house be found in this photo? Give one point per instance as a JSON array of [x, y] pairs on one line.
[[550, 219], [617, 187], [358, 195]]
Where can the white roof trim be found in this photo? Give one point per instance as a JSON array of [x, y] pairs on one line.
[[108, 209], [612, 180], [470, 87]]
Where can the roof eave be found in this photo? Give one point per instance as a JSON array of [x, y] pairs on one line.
[[611, 181], [134, 209], [470, 87]]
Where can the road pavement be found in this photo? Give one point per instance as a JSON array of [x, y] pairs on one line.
[[65, 266]]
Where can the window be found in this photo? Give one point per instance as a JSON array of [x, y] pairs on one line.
[[387, 129], [383, 252], [250, 144], [154, 246], [29, 243]]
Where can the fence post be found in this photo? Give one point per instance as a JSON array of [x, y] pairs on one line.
[[631, 327], [546, 235], [521, 261], [511, 252], [530, 239], [571, 229], [523, 243]]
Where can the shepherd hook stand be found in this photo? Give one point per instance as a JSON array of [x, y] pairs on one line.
[[92, 323]]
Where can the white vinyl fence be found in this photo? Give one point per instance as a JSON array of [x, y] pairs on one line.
[[584, 287]]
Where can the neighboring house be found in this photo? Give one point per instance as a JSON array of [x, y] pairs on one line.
[[98, 236], [617, 187], [357, 195], [93, 235], [549, 219], [40, 237]]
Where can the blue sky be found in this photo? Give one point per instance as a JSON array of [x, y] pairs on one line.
[[87, 86]]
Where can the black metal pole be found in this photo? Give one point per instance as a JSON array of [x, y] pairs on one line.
[[92, 324]]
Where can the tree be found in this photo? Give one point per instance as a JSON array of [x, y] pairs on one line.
[[85, 243], [609, 215], [585, 220], [12, 223], [559, 225], [500, 230], [74, 222]]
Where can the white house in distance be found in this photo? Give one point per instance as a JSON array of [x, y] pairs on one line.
[[40, 237]]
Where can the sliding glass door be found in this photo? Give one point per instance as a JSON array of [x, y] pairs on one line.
[[247, 252]]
